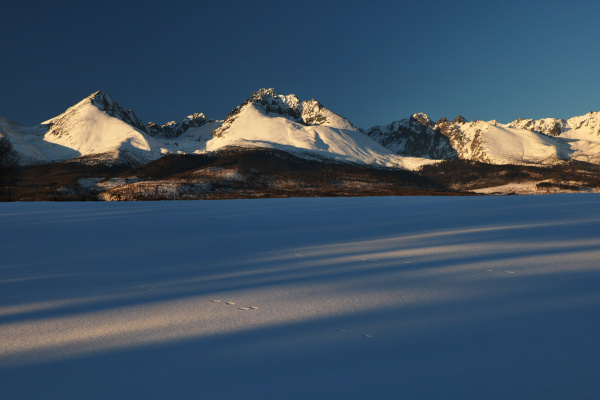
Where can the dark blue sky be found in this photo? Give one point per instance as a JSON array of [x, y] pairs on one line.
[[370, 61]]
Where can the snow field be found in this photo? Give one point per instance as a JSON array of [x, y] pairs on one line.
[[345, 298]]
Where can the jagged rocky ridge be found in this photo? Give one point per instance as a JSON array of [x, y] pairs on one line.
[[173, 129], [585, 126], [528, 142], [415, 136], [104, 102]]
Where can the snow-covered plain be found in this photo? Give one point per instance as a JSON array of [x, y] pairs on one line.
[[346, 298]]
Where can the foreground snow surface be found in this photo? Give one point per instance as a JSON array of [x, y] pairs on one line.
[[348, 298]]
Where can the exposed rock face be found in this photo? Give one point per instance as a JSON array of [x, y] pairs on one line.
[[467, 146], [460, 120], [469, 143], [269, 102], [172, 129], [414, 137], [105, 103], [548, 126]]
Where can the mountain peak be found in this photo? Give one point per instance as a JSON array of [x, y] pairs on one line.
[[422, 118], [273, 102], [99, 94], [103, 101], [265, 92]]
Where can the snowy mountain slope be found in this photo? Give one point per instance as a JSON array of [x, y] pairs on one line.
[[269, 119], [29, 143], [414, 136]]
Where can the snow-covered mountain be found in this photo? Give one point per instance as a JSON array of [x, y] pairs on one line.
[[269, 119], [98, 125], [100, 130], [494, 143]]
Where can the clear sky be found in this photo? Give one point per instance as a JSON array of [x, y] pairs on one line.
[[372, 62]]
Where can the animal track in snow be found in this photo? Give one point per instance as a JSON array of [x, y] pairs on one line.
[[231, 303]]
